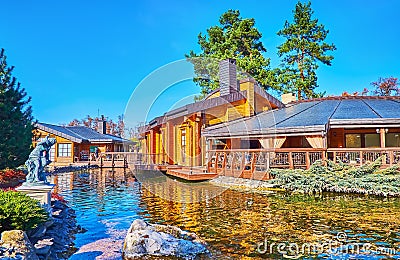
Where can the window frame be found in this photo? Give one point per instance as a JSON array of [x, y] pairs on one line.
[[64, 150]]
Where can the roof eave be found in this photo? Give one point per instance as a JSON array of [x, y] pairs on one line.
[[58, 133]]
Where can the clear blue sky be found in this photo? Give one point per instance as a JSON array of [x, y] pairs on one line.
[[75, 57]]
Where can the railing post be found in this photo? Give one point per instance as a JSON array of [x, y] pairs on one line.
[[391, 158], [253, 165], [233, 164], [216, 163], [361, 158], [209, 163], [308, 160], [224, 164], [291, 166], [243, 162]]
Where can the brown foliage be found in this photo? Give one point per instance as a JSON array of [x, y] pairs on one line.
[[386, 87], [92, 122]]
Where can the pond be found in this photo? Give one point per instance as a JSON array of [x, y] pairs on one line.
[[236, 225]]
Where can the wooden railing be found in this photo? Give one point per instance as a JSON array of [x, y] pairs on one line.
[[257, 162], [360, 156], [247, 163]]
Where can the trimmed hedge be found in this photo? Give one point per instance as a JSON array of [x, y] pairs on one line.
[[19, 211], [338, 177]]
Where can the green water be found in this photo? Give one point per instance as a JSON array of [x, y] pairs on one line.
[[233, 223]]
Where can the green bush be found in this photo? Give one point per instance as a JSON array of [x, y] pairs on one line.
[[329, 176], [19, 211]]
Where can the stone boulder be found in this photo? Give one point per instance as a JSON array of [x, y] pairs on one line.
[[145, 239], [18, 246]]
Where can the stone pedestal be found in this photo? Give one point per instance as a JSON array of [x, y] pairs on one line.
[[41, 192]]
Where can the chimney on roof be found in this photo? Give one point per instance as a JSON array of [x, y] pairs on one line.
[[102, 125], [227, 77], [287, 98]]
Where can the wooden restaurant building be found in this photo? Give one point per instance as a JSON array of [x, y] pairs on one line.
[[241, 130]]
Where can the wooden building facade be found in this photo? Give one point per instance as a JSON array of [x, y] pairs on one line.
[[175, 137], [240, 129]]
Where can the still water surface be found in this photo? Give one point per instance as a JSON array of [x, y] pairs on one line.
[[233, 223]]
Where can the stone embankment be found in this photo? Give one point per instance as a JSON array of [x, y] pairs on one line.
[[246, 185], [50, 240]]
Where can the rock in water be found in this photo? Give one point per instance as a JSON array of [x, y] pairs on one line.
[[159, 240], [18, 244]]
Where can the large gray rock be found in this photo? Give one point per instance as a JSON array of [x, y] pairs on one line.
[[18, 245], [159, 240]]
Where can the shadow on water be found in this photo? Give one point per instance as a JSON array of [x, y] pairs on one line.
[[233, 223]]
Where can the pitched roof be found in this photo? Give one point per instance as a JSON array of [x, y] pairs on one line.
[[314, 116], [210, 103], [79, 134]]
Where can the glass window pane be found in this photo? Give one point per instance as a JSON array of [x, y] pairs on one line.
[[64, 150], [393, 140], [372, 140], [353, 140]]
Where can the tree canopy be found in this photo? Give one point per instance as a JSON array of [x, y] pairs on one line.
[[15, 118], [235, 37], [303, 49], [386, 87]]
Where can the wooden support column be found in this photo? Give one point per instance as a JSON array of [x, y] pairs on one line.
[[382, 137], [382, 134]]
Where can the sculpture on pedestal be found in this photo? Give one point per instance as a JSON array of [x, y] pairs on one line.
[[38, 159]]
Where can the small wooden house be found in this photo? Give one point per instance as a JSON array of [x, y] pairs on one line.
[[78, 143]]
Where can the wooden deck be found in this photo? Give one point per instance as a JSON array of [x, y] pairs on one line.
[[190, 173]]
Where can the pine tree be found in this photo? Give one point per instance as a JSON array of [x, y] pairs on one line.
[[15, 119], [235, 37], [303, 49]]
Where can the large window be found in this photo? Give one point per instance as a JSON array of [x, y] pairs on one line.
[[372, 140], [362, 140], [353, 140], [393, 140], [64, 150]]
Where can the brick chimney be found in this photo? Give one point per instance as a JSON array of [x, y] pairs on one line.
[[102, 125], [227, 76], [287, 98]]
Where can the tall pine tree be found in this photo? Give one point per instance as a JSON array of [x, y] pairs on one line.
[[15, 119], [303, 49], [235, 37]]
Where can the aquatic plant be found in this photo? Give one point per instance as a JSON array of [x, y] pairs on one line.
[[328, 176]]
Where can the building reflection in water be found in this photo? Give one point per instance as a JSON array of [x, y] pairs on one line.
[[232, 222]]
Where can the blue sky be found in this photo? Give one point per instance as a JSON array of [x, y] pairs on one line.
[[76, 58]]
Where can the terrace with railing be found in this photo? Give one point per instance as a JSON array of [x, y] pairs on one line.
[[256, 163]]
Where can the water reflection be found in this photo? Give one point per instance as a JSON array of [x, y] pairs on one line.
[[177, 190], [232, 222]]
